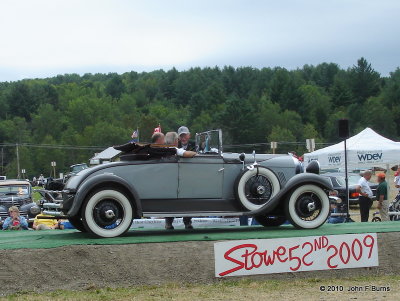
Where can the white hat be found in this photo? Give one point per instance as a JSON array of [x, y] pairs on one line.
[[183, 130]]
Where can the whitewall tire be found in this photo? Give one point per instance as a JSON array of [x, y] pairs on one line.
[[254, 188], [107, 213], [307, 207]]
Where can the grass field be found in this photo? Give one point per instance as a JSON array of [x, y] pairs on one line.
[[377, 287]]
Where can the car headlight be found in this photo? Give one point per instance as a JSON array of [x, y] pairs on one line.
[[34, 210]]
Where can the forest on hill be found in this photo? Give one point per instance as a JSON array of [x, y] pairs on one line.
[[69, 117]]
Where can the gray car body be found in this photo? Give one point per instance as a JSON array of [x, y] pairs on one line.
[[176, 186]]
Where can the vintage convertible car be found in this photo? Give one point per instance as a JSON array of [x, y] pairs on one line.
[[151, 181]]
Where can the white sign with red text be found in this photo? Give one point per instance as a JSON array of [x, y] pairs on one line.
[[266, 256]]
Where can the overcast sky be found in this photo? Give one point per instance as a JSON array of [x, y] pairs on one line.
[[43, 38]]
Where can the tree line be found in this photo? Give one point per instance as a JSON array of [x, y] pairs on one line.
[[50, 118]]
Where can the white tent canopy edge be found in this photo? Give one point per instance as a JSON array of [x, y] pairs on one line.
[[365, 150]]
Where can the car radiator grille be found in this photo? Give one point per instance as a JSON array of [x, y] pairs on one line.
[[8, 204], [4, 215], [281, 177]]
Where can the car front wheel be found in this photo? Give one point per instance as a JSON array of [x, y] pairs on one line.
[[107, 213], [307, 207]]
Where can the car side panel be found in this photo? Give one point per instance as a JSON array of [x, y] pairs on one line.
[[200, 177], [151, 180]]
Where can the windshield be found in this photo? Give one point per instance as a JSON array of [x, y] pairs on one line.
[[78, 168], [209, 142], [14, 190], [353, 180]]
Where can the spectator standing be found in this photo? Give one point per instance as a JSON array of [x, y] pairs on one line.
[[397, 182], [41, 180], [365, 199], [15, 221], [382, 197]]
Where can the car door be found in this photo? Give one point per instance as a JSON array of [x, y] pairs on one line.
[[200, 177]]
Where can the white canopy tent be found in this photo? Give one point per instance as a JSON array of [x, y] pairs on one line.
[[364, 150]]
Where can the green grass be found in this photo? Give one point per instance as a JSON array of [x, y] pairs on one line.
[[227, 289], [36, 195]]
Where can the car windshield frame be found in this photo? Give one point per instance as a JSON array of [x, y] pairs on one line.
[[209, 142]]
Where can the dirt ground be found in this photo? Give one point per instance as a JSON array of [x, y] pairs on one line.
[[90, 266]]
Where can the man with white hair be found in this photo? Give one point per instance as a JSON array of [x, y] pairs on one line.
[[365, 199], [172, 138]]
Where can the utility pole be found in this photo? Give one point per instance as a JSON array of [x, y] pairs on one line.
[[18, 173], [2, 160]]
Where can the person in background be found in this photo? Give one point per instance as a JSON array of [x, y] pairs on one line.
[[41, 180], [397, 182], [335, 209], [366, 195], [158, 138], [184, 142], [45, 224], [382, 197], [15, 221]]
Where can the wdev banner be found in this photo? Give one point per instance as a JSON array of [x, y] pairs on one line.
[[335, 159], [370, 157], [266, 256]]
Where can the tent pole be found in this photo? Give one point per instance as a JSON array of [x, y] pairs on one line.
[[346, 178]]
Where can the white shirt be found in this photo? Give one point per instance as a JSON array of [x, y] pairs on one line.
[[397, 182], [364, 187], [180, 151]]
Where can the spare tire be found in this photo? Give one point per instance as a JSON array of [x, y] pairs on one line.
[[255, 187]]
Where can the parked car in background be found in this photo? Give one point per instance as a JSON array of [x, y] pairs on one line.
[[74, 169], [152, 181], [17, 193], [339, 183]]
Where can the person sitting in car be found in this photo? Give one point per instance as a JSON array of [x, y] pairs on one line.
[[184, 139], [172, 139], [158, 138]]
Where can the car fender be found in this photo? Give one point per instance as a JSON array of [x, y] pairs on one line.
[[294, 182], [101, 180]]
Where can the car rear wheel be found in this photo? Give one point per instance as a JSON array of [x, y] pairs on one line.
[[255, 187], [270, 221], [307, 207], [107, 213]]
